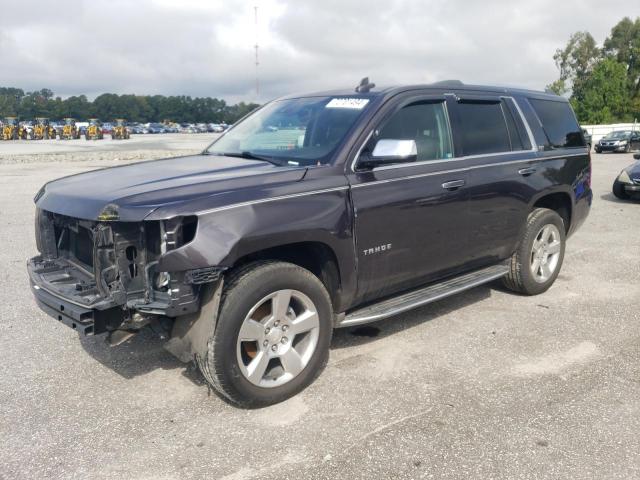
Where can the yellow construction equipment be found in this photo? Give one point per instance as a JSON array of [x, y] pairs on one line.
[[42, 129], [120, 130], [69, 130], [12, 130], [94, 130]]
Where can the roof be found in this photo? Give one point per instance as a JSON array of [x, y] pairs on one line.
[[447, 85]]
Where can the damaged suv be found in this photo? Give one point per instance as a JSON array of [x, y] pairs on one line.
[[319, 211]]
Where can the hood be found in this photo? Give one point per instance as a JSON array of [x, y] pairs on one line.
[[633, 170], [140, 188], [612, 139]]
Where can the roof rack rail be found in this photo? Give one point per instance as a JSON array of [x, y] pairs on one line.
[[448, 83]]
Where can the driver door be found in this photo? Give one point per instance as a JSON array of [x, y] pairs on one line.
[[409, 216]]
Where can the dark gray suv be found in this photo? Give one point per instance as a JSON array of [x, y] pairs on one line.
[[317, 211]]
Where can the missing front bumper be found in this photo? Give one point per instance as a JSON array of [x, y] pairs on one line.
[[84, 320]]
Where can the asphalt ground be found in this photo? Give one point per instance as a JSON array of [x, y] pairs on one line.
[[485, 384]]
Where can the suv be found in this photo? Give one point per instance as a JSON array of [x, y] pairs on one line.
[[320, 211]]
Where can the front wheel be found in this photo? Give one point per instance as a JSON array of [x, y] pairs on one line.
[[619, 191], [536, 263], [272, 336]]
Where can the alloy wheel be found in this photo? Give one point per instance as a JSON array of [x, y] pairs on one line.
[[277, 338], [545, 253]]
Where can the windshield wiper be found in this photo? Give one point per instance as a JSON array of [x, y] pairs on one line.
[[252, 156]]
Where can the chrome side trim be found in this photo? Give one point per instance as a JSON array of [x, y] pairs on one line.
[[449, 160], [357, 156], [464, 169], [267, 200]]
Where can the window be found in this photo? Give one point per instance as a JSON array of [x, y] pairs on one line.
[[517, 132], [424, 122], [559, 123], [484, 129], [298, 131]]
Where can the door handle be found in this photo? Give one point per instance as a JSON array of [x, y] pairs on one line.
[[525, 172], [453, 184]]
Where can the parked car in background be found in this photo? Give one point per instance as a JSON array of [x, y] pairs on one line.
[[368, 204], [107, 128], [135, 128], [215, 128], [619, 141], [627, 184], [155, 128], [587, 138]]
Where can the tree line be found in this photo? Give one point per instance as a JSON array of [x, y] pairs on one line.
[[108, 106], [603, 82]]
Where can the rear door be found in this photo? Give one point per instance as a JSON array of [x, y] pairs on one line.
[[409, 217], [499, 154]]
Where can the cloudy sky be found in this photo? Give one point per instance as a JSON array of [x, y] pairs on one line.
[[205, 47]]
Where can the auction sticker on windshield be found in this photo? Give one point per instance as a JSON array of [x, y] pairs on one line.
[[354, 103]]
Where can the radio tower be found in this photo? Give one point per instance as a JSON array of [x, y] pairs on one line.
[[256, 48]]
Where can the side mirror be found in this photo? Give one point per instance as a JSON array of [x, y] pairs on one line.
[[388, 151], [636, 156]]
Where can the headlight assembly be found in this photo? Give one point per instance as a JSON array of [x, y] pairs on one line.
[[624, 177]]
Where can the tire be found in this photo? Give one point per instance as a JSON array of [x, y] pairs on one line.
[[619, 192], [598, 150], [521, 277], [227, 362], [627, 149]]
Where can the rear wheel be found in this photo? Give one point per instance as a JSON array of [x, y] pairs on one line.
[[272, 335], [536, 263]]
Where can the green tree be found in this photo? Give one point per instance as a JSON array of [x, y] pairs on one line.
[[624, 45], [576, 60], [109, 106], [603, 96]]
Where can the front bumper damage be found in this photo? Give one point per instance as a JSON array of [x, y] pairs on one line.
[[102, 277]]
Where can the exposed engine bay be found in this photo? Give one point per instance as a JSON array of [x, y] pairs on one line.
[[102, 276]]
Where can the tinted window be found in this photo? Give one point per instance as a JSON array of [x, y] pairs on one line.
[[559, 123], [519, 138], [426, 123], [483, 128]]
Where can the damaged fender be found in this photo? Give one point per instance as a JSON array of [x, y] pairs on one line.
[[191, 333]]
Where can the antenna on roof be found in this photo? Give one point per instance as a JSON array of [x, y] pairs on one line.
[[365, 85]]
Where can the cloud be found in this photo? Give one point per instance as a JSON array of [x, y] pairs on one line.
[[205, 48]]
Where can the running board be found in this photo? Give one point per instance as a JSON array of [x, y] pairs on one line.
[[422, 296]]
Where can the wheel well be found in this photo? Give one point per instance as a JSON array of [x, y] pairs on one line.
[[560, 203], [316, 257]]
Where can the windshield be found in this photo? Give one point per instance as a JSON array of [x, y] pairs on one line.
[[619, 134], [299, 131]]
